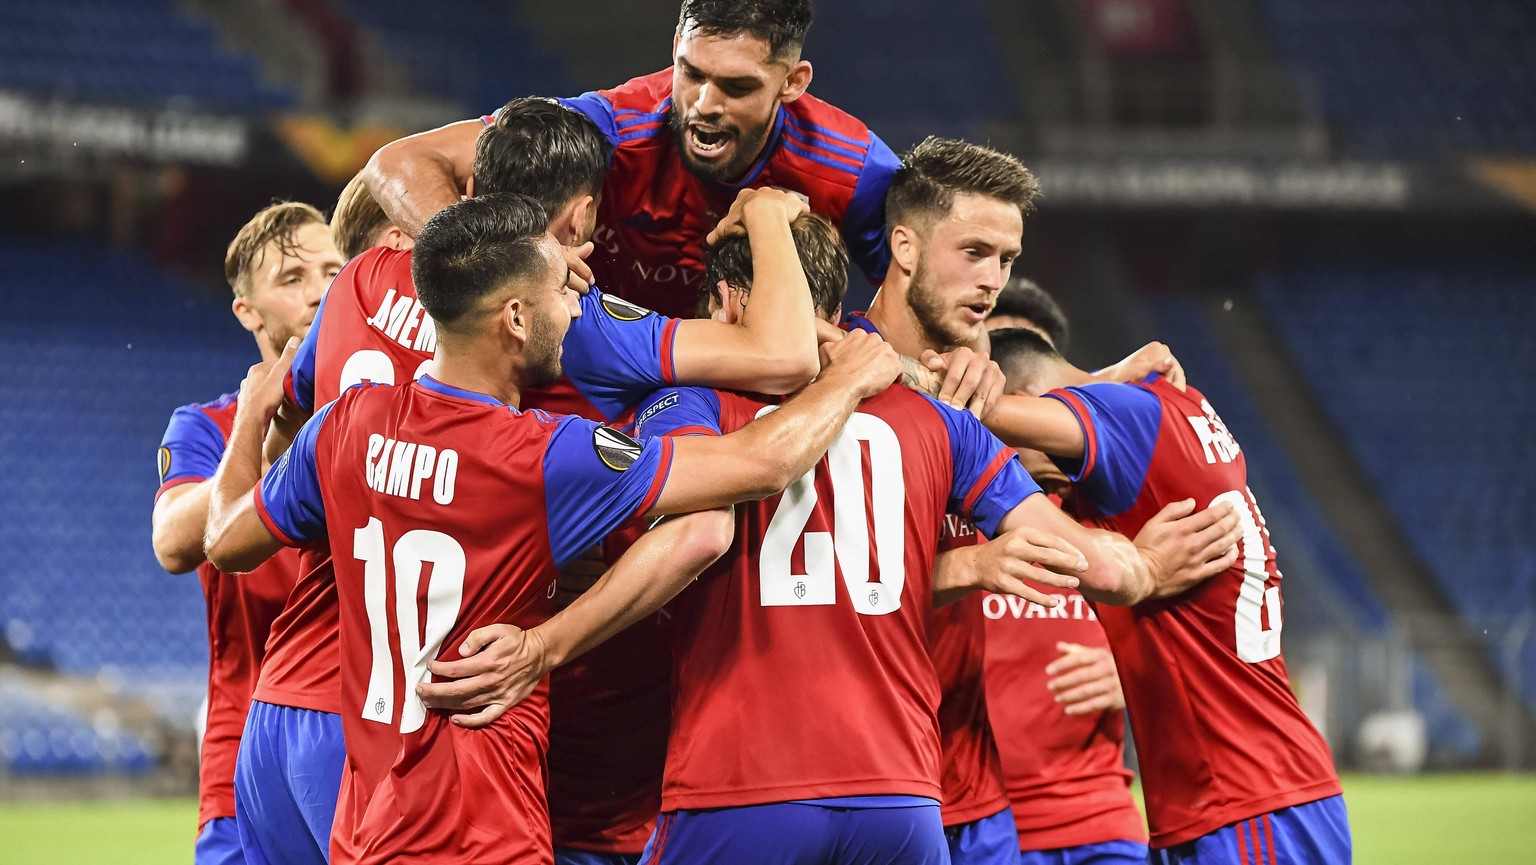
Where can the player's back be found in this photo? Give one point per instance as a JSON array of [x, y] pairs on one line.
[[435, 504], [801, 667], [1219, 733]]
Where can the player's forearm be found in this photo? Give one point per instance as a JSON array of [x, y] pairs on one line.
[[179, 524], [1039, 424], [413, 178], [232, 543], [659, 565], [953, 575], [789, 442], [1117, 572], [779, 323]]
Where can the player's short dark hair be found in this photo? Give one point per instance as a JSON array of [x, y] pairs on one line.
[[474, 247], [357, 220], [1023, 355], [780, 23], [932, 173], [539, 148], [279, 221], [822, 256], [1022, 298]]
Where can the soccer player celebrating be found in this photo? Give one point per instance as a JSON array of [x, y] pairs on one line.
[[448, 508], [1053, 693], [278, 265], [956, 214], [731, 113], [1233, 771]]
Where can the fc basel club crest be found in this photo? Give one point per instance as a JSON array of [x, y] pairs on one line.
[[622, 309], [165, 463], [617, 450]]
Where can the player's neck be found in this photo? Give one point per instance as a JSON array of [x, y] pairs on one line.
[[1066, 375], [488, 375], [898, 323]]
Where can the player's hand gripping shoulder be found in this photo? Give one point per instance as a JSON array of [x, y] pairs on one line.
[[1002, 564], [765, 202], [1150, 358], [1185, 548], [1085, 680], [961, 378], [860, 363]]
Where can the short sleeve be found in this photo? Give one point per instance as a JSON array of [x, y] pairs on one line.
[[989, 481], [1120, 426], [190, 450], [679, 411], [596, 479], [864, 222], [300, 381], [288, 498], [597, 109], [616, 352]]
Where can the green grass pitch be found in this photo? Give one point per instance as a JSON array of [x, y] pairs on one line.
[[1435, 819]]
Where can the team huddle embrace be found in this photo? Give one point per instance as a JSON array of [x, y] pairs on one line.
[[570, 517]]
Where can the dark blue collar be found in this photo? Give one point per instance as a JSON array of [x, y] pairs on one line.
[[436, 386]]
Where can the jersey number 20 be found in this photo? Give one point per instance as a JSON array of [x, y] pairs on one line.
[[847, 545], [445, 592]]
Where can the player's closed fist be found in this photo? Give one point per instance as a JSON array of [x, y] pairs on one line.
[[862, 362]]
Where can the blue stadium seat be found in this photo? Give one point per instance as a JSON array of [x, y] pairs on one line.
[[1438, 410], [39, 737]]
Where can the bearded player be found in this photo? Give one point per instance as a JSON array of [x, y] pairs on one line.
[[1246, 778], [448, 470], [731, 113], [278, 266]]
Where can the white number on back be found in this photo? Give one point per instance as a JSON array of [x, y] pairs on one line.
[[445, 592], [848, 544], [1255, 643], [369, 365]]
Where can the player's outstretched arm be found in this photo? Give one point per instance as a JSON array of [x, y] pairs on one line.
[[1041, 424], [502, 664], [178, 524], [414, 177], [773, 349], [237, 540], [767, 455]]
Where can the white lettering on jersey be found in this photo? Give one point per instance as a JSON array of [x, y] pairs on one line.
[[1213, 435], [399, 315], [1006, 606], [397, 468]]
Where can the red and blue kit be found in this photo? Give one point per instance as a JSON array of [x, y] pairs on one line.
[[445, 511], [655, 214], [241, 608], [1219, 733], [814, 632]]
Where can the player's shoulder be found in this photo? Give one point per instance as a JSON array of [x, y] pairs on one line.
[[825, 142], [219, 412], [640, 109]]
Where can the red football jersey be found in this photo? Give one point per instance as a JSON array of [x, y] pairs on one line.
[[655, 214], [973, 777], [810, 639], [446, 511], [1065, 774], [241, 608], [1219, 733]]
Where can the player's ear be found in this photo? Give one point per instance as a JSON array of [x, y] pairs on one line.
[[397, 240], [469, 187], [722, 302], [582, 215], [795, 85], [246, 314], [516, 319], [837, 314], [906, 247]]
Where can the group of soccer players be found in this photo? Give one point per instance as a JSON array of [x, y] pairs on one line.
[[570, 518]]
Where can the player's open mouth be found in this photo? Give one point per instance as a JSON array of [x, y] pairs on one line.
[[707, 141], [978, 311]]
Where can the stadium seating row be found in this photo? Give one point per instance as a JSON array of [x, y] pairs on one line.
[[40, 738]]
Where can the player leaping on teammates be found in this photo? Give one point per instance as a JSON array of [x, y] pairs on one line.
[[732, 112], [278, 266], [1246, 777], [447, 508]]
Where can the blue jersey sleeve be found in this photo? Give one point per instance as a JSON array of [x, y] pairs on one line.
[[595, 479], [864, 223], [1120, 425], [989, 481], [617, 352], [598, 109], [679, 411], [300, 383], [191, 448], [288, 500]]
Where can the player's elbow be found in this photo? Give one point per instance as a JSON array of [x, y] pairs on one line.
[[176, 558], [784, 372], [227, 553], [710, 535]]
